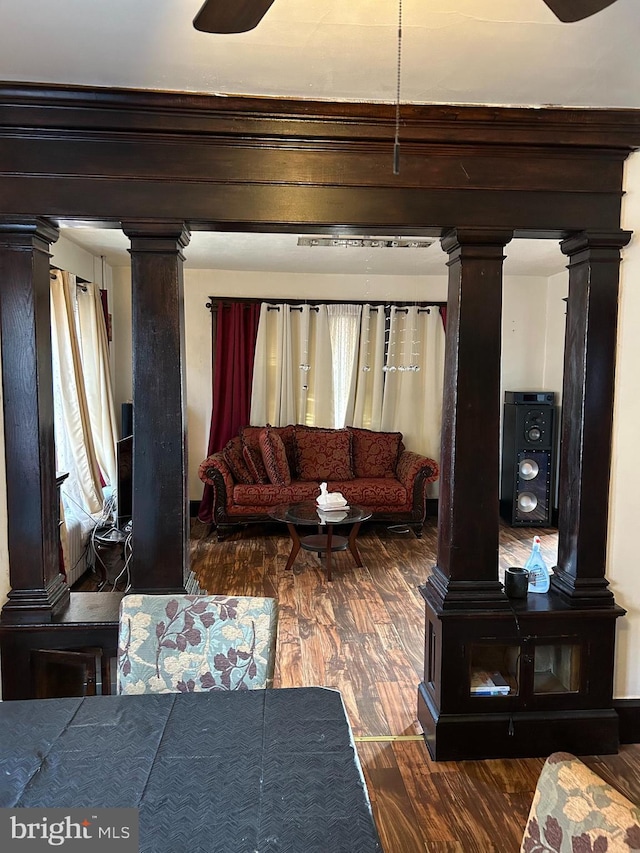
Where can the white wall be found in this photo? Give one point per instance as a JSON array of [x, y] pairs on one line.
[[524, 335], [624, 546]]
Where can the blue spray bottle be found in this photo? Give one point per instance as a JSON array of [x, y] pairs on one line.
[[537, 568]]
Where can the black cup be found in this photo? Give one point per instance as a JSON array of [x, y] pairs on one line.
[[516, 582]]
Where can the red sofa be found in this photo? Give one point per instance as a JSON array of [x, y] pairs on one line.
[[265, 466]]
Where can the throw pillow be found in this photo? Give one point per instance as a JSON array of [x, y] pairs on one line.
[[232, 453], [286, 434], [323, 454], [375, 454], [250, 437], [274, 457]]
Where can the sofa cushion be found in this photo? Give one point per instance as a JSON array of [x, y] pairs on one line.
[[257, 498], [274, 457], [232, 454], [250, 437], [380, 493], [323, 454], [375, 454]]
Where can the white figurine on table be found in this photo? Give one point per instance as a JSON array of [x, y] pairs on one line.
[[330, 500]]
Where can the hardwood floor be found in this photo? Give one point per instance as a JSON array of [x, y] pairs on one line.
[[363, 634]]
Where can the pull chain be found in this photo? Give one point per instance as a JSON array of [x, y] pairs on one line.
[[396, 140]]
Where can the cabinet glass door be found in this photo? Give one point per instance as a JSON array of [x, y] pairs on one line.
[[494, 669], [556, 668]]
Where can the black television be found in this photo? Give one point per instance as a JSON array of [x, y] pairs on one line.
[[124, 485]]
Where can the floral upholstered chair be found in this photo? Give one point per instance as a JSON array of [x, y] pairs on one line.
[[575, 811], [192, 643]]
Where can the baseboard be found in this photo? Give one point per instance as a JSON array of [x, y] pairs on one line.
[[432, 508], [628, 711]]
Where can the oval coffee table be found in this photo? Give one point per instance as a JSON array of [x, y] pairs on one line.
[[307, 514]]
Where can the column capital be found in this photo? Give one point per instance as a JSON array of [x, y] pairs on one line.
[[15, 229], [587, 241], [488, 240], [148, 235]]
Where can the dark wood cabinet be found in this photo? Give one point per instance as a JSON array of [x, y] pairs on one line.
[[72, 655], [524, 681]]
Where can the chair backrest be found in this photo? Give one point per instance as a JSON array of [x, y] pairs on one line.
[[191, 643], [575, 809]]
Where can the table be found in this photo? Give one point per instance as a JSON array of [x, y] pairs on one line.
[[260, 771], [307, 513]]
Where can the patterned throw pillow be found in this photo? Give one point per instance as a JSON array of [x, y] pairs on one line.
[[286, 434], [232, 453], [274, 457], [323, 454], [375, 454], [250, 437]]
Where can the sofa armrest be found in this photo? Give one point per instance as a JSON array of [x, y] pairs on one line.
[[411, 465], [212, 465], [574, 809], [215, 472]]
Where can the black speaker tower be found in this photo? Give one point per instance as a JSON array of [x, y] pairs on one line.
[[528, 458]]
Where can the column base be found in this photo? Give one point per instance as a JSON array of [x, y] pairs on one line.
[[521, 734], [36, 605]]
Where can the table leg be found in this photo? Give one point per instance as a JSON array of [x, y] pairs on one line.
[[295, 546], [352, 544], [329, 537]]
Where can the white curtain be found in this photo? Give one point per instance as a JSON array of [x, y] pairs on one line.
[[292, 375], [412, 402], [366, 408], [344, 327], [97, 379], [382, 371], [84, 413]]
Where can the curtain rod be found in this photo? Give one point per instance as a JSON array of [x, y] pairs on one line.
[[80, 282], [212, 305]]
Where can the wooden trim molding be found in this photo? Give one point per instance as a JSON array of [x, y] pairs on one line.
[[628, 711], [94, 108], [104, 155]]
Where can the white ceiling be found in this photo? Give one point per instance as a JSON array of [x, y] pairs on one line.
[[509, 52], [280, 253], [454, 51]]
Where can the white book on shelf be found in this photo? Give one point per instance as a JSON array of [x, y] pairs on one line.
[[485, 683]]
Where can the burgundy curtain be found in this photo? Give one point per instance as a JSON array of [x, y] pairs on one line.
[[236, 332]]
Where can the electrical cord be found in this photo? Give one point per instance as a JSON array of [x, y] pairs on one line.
[[126, 569]]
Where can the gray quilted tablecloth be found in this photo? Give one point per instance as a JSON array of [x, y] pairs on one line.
[[245, 772]]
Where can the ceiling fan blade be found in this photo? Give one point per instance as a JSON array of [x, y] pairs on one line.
[[230, 16], [576, 10]]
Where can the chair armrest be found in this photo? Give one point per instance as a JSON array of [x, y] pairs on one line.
[[411, 464], [573, 808]]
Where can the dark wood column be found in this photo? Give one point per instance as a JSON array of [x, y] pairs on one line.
[[38, 590], [466, 574], [160, 498], [587, 414]]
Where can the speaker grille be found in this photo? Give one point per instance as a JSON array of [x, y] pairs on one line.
[[533, 486], [528, 442]]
